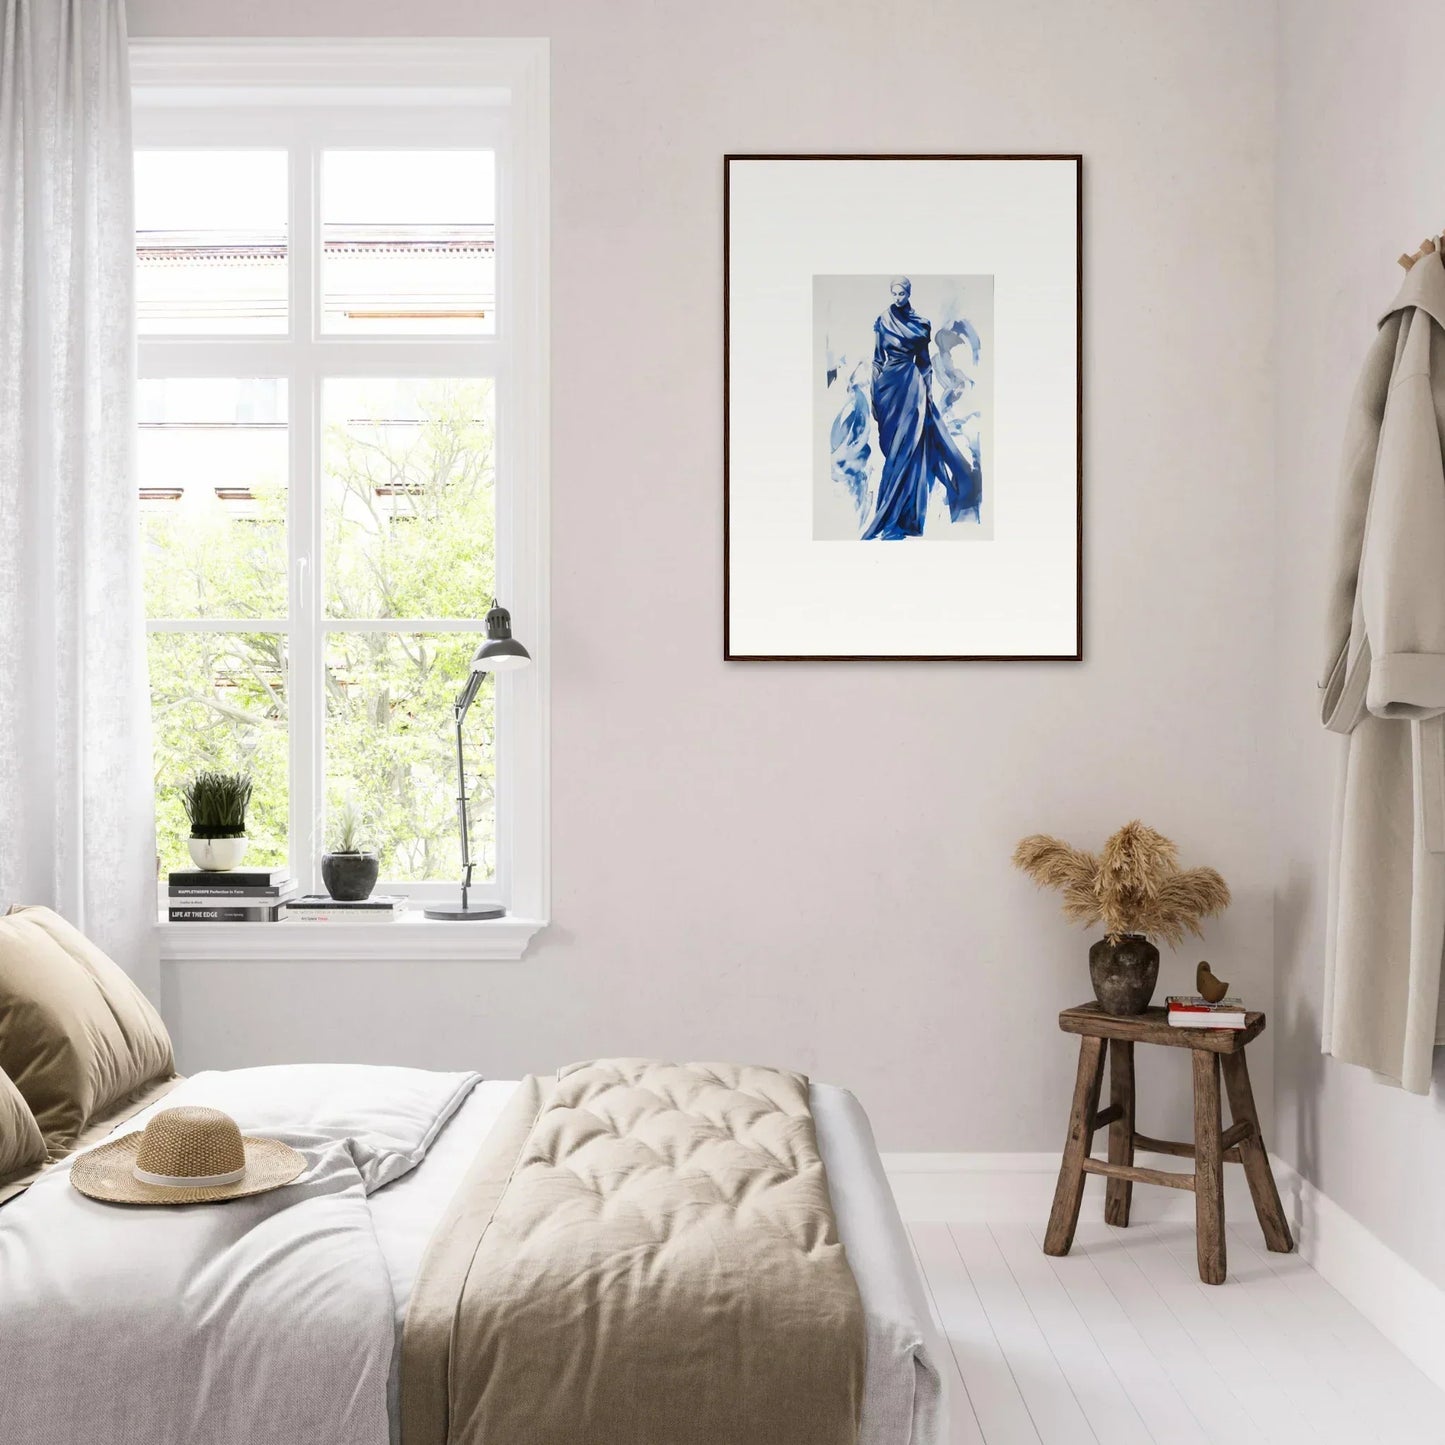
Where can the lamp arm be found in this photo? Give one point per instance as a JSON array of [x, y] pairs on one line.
[[460, 712], [464, 700]]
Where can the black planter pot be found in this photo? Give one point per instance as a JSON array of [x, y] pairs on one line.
[[1124, 973], [350, 877]]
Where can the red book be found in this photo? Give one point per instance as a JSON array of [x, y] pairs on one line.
[[1189, 1011]]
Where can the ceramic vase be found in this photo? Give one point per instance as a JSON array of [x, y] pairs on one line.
[[1124, 972]]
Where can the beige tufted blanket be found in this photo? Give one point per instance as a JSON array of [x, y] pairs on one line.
[[643, 1254]]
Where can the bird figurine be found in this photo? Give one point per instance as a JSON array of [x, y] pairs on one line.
[[1210, 988]]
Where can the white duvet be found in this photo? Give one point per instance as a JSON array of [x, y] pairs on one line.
[[274, 1319], [261, 1321]]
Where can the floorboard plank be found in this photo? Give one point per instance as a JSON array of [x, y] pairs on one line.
[[1089, 1372], [963, 1426], [989, 1388], [1046, 1391], [927, 1288]]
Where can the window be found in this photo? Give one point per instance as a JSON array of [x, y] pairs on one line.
[[340, 259]]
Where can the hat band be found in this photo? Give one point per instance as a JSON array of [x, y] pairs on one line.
[[189, 1181]]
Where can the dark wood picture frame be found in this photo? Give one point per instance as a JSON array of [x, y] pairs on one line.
[[1078, 654]]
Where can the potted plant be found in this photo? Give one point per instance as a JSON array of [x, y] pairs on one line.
[[1136, 889], [216, 805], [350, 869]]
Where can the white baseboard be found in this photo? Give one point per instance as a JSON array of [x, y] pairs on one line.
[[1405, 1306]]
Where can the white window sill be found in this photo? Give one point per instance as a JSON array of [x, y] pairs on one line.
[[411, 936]]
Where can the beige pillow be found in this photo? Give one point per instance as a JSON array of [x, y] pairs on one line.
[[22, 1150], [76, 1035]]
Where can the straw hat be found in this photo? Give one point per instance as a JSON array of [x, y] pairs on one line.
[[186, 1155]]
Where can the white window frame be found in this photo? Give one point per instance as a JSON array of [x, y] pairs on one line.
[[306, 96]]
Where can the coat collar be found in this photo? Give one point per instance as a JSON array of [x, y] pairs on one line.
[[1423, 289]]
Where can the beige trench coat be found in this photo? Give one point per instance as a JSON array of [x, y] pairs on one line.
[[1385, 687]]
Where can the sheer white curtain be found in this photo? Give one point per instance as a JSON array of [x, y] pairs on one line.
[[76, 827]]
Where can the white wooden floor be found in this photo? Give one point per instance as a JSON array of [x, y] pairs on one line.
[[1120, 1344]]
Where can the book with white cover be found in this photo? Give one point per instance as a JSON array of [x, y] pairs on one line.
[[1190, 1011], [1206, 1018], [318, 908]]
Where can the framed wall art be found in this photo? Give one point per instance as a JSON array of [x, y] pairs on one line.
[[902, 408]]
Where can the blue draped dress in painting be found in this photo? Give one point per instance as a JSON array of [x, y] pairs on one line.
[[917, 448]]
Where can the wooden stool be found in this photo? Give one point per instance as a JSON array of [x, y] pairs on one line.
[[1212, 1147]]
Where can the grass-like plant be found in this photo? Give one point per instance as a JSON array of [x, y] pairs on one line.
[[1133, 885], [216, 804], [347, 829]]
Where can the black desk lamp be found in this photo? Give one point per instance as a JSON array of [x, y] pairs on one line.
[[501, 652]]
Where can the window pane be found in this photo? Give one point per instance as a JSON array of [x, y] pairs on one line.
[[409, 242], [210, 242], [391, 749], [409, 505], [218, 701], [213, 466]]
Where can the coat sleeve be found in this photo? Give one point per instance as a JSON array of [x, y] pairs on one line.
[[1402, 569], [1347, 669]]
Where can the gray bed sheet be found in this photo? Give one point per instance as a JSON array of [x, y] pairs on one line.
[[903, 1393]]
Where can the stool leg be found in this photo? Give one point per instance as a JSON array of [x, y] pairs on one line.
[[1208, 1169], [1255, 1158], [1119, 1193], [1069, 1194]]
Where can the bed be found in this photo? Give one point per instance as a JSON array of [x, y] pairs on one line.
[[652, 1293]]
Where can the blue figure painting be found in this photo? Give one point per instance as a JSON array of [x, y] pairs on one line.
[[903, 424]]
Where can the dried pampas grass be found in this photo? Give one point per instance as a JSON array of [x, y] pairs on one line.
[[1053, 864], [1134, 885]]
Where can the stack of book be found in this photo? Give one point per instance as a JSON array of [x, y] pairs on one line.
[[1191, 1011], [318, 908], [252, 895]]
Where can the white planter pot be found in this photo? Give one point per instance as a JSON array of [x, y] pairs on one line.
[[217, 855]]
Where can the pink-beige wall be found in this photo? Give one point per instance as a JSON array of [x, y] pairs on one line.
[[808, 864], [1361, 179]]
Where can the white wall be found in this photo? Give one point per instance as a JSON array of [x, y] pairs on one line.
[[1361, 169], [731, 876]]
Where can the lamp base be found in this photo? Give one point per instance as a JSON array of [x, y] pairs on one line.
[[455, 913]]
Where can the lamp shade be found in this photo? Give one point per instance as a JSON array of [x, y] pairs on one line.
[[500, 652]]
